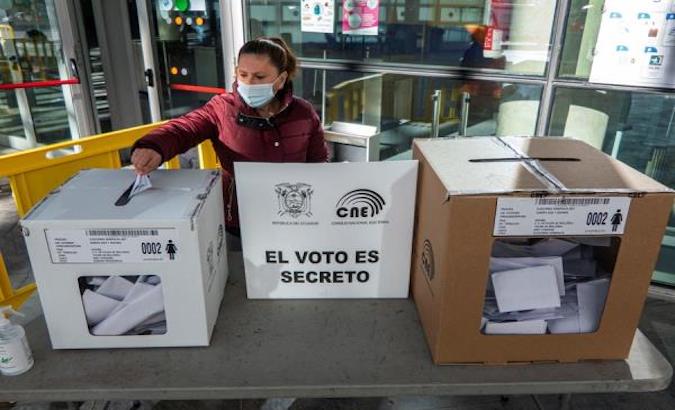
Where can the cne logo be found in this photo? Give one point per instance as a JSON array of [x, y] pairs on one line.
[[294, 199], [427, 261], [360, 203]]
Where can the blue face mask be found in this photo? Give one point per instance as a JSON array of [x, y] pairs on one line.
[[256, 95]]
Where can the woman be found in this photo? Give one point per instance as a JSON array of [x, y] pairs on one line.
[[261, 120]]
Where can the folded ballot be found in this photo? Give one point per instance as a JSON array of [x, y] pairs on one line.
[[591, 298], [528, 288], [502, 264], [123, 305], [554, 281], [529, 327]]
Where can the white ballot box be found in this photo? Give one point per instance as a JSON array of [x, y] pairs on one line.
[[115, 270]]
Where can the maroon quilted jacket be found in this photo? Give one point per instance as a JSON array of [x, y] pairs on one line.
[[239, 134]]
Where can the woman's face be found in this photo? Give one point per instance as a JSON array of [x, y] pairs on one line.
[[258, 69]]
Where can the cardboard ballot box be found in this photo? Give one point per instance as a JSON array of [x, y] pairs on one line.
[[531, 249], [148, 273]]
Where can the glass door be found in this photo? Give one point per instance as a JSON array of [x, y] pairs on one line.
[[40, 92], [185, 54]]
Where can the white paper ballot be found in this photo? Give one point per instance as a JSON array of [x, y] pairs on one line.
[[135, 313], [141, 184], [97, 307], [115, 287], [502, 264], [565, 325], [160, 317], [528, 327], [137, 290], [150, 279], [591, 296], [525, 289], [96, 280]]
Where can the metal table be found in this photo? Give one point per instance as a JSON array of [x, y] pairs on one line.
[[303, 348]]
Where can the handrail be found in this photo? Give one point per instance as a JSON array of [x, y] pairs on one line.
[[197, 88], [39, 84]]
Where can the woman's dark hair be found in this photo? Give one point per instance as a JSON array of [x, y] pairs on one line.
[[276, 49]]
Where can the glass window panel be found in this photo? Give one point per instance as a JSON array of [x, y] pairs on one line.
[[31, 51], [637, 128], [502, 35], [190, 53], [581, 34], [10, 120], [401, 107], [50, 116]]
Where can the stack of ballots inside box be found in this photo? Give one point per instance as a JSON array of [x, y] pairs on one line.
[[123, 305], [546, 285]]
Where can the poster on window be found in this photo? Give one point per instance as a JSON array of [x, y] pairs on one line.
[[360, 17], [317, 16], [636, 44]]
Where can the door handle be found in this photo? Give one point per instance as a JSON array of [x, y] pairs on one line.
[[149, 77], [73, 68]]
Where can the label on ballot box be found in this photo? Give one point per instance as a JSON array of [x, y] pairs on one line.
[[565, 215], [111, 245]]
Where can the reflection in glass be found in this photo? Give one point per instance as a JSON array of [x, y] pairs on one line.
[[581, 34], [636, 128], [31, 51], [401, 106], [189, 53], [504, 35]]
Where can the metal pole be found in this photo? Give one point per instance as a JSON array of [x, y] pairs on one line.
[[79, 99], [435, 120], [149, 60], [464, 114], [559, 21], [323, 94], [233, 28]]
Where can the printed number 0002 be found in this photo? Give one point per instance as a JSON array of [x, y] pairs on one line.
[[151, 248], [596, 218]]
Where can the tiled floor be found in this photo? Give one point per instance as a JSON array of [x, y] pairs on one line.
[[658, 323]]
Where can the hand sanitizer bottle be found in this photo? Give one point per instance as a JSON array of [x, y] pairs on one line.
[[15, 355]]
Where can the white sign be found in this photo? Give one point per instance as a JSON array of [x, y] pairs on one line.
[[317, 16], [340, 230], [636, 44], [108, 245], [553, 216]]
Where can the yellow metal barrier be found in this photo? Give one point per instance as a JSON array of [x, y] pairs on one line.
[[34, 173], [207, 156], [9, 296]]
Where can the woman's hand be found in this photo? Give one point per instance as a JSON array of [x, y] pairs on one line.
[[145, 160]]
